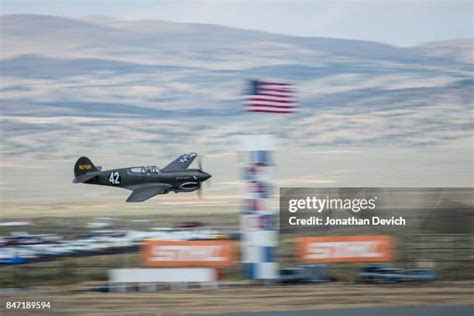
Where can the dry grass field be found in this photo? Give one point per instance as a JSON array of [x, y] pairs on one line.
[[247, 298]]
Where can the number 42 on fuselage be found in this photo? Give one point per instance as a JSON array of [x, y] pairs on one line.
[[145, 182]]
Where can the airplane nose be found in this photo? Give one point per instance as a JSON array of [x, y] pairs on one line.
[[204, 176]]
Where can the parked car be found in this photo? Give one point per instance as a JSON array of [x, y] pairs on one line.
[[420, 275], [381, 274], [317, 273], [293, 276], [304, 274], [368, 272]]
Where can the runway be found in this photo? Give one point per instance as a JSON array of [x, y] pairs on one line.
[[337, 299], [443, 310]]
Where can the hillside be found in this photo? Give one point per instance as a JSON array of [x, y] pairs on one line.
[[115, 89]]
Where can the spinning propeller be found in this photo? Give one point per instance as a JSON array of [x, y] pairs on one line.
[[200, 191]]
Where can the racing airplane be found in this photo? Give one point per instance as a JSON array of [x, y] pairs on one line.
[[145, 182]]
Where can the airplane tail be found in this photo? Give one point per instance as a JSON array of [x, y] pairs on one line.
[[83, 165]]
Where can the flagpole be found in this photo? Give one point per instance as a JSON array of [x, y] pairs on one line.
[[259, 218]]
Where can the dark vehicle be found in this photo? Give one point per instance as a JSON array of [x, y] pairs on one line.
[[381, 274], [367, 273], [390, 275], [420, 275], [304, 274], [145, 182], [317, 272], [293, 276], [374, 267]]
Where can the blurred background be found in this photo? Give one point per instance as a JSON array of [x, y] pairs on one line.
[[384, 95]]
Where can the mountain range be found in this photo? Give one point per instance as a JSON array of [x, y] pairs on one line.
[[99, 85], [349, 91]]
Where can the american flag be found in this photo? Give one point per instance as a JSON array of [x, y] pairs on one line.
[[270, 97]]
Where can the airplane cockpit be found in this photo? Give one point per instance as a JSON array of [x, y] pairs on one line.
[[144, 170]]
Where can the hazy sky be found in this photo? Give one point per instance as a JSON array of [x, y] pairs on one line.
[[389, 21]]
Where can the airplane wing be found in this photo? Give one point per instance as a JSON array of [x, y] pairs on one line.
[[182, 162], [145, 191]]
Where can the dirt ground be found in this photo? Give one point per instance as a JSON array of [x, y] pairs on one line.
[[247, 299]]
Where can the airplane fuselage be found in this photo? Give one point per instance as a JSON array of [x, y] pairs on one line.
[[186, 180]]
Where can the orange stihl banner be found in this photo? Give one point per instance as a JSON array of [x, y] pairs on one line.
[[202, 253], [345, 249]]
